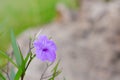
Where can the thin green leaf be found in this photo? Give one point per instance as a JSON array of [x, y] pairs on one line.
[[55, 72], [16, 50], [7, 57], [23, 61], [22, 68], [50, 79], [56, 66], [2, 77], [21, 54], [18, 74], [55, 75], [27, 57], [20, 71], [12, 74]]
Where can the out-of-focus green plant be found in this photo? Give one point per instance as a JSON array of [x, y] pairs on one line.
[[70, 3], [22, 14], [3, 62]]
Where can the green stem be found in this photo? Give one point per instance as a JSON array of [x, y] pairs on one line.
[[23, 74]]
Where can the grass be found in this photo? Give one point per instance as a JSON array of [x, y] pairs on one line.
[[22, 14]]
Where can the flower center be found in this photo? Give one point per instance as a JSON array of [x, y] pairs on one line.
[[45, 49]]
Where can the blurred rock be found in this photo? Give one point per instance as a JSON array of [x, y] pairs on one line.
[[89, 48]]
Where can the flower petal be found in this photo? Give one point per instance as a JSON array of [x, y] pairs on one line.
[[44, 43], [41, 55], [52, 45], [51, 56]]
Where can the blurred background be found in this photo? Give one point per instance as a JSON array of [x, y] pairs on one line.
[[20, 15], [87, 33]]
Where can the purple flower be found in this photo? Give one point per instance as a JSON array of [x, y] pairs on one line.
[[45, 49]]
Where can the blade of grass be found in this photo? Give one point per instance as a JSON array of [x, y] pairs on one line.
[[56, 67], [18, 74], [20, 70], [2, 77], [21, 53], [12, 74], [55, 71], [23, 61], [27, 57], [17, 53], [7, 57]]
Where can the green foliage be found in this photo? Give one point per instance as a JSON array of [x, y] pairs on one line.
[[18, 74], [18, 56], [17, 53], [12, 74], [55, 71], [2, 76], [22, 63], [22, 14], [3, 54], [22, 69], [3, 61], [70, 3]]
